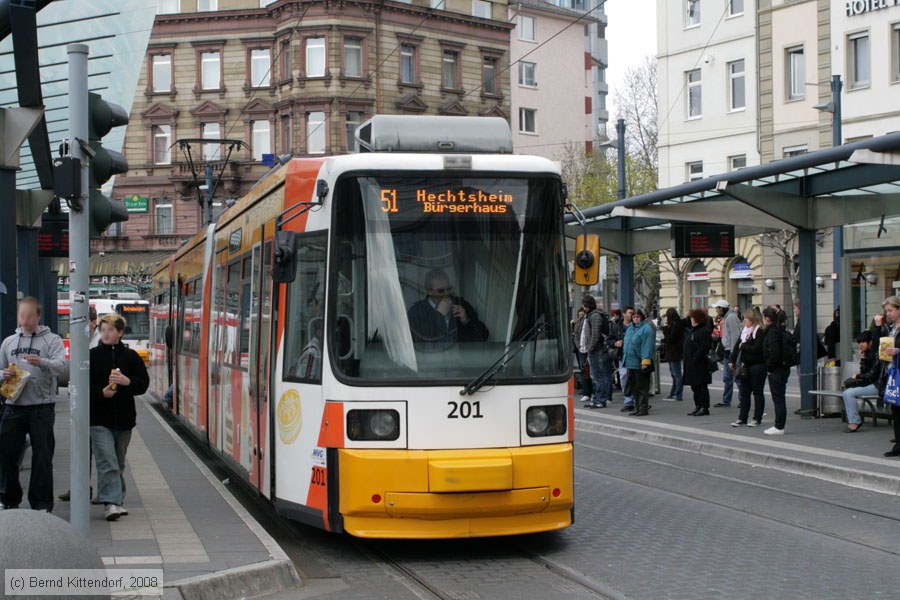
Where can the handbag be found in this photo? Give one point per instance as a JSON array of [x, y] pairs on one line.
[[892, 387], [853, 382]]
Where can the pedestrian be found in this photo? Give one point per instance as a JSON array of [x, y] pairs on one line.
[[730, 329], [833, 336], [673, 341], [864, 383], [777, 372], [40, 352], [638, 349], [615, 342], [749, 366], [579, 343], [595, 331], [117, 375], [891, 307], [697, 346]]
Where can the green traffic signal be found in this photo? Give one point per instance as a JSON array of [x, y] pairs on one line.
[[102, 117]]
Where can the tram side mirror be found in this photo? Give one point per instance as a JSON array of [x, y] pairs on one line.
[[283, 267], [587, 251]]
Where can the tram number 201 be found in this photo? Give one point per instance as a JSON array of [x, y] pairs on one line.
[[465, 410], [318, 476]]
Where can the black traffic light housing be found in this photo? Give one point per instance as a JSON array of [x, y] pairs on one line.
[[102, 117]]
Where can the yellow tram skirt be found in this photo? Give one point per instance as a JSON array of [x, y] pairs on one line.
[[456, 493]]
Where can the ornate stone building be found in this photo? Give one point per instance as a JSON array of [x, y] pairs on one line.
[[294, 77]]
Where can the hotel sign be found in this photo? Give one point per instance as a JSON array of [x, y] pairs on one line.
[[861, 7]]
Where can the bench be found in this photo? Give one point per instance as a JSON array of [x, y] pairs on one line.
[[869, 406]]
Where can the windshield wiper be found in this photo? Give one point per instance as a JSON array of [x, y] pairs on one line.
[[510, 352]]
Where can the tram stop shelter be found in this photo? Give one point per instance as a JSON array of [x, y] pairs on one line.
[[857, 183]]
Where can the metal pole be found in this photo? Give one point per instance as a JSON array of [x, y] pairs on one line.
[[8, 250], [837, 232], [626, 261], [808, 330], [79, 240], [620, 134], [209, 193], [29, 277]]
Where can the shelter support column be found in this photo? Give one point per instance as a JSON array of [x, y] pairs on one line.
[[29, 278], [626, 281], [808, 329], [8, 272]]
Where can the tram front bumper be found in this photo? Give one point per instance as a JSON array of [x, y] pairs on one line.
[[456, 493]]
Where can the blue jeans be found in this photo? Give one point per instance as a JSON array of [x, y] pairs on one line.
[[851, 404], [677, 384], [601, 375], [727, 380], [627, 385], [37, 422], [110, 446]]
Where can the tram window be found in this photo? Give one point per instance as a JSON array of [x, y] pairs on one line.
[[232, 314], [305, 311], [244, 348]]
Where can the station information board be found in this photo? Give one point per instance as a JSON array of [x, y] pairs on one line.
[[702, 241], [53, 236]]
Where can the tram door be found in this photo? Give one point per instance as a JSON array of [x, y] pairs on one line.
[[260, 335], [216, 343]]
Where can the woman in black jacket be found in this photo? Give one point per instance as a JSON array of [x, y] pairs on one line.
[[117, 375], [748, 353], [777, 373], [697, 344], [673, 339]]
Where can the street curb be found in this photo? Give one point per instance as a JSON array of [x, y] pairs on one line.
[[866, 480], [240, 582]]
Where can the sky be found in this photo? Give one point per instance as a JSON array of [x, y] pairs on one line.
[[631, 35]]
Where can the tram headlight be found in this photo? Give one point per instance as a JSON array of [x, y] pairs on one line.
[[543, 421], [373, 425]]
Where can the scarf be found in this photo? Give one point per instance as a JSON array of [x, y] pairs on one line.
[[748, 332]]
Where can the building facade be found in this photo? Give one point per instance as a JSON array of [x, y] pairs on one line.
[[293, 77]]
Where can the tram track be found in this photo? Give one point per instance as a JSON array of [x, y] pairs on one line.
[[657, 485]]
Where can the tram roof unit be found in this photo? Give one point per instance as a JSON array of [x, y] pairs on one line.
[[440, 134]]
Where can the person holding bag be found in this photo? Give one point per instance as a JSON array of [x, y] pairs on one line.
[[892, 381], [638, 348], [750, 369]]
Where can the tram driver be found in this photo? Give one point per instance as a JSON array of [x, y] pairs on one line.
[[441, 319]]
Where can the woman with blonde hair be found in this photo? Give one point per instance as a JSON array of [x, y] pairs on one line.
[[749, 367]]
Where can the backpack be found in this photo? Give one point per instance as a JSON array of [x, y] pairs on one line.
[[789, 354]]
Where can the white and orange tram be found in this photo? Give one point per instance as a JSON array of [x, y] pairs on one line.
[[300, 353]]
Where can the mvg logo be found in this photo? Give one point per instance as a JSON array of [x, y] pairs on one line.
[[318, 456]]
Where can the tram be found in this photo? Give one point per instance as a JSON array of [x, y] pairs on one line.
[[135, 311], [298, 354]]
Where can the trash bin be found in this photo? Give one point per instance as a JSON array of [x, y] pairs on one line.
[[830, 379]]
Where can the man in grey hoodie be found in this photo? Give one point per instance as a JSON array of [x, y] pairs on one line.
[[731, 331], [33, 348]]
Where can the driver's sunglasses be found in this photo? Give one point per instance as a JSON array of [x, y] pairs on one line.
[[443, 289]]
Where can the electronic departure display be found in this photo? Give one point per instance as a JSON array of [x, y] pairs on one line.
[[700, 240]]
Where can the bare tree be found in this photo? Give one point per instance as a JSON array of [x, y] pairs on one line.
[[636, 102], [679, 268]]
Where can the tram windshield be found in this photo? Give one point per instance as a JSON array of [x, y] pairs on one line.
[[434, 276]]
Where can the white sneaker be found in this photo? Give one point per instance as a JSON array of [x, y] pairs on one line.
[[585, 398], [738, 423], [123, 511], [754, 423], [774, 431], [111, 513]]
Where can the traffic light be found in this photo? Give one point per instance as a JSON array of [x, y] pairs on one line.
[[103, 116]]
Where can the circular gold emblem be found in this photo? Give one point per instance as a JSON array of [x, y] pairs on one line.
[[290, 419]]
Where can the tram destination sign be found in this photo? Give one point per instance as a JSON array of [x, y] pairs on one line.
[[701, 240], [456, 201]]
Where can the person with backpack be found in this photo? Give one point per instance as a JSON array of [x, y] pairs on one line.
[[595, 331], [778, 365]]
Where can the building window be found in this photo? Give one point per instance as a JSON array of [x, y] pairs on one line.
[[694, 170], [354, 120], [260, 138], [353, 57], [489, 75], [287, 67], [207, 5], [164, 222], [527, 120], [315, 57], [482, 9], [211, 70], [895, 52], [162, 73], [265, 3], [692, 13], [437, 4], [694, 98], [450, 70], [526, 28], [168, 7], [735, 8], [210, 131], [796, 73], [736, 91], [858, 59], [526, 74], [737, 162], [789, 151], [260, 67], [315, 132], [407, 63], [287, 146], [162, 142]]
